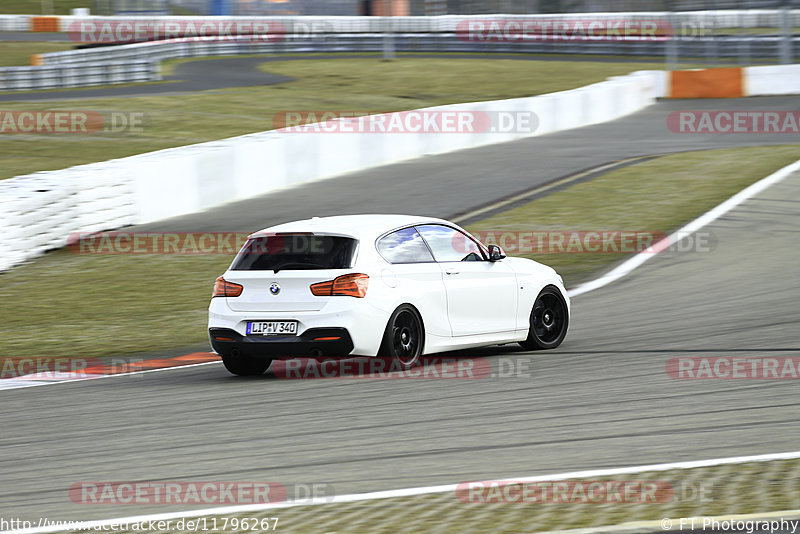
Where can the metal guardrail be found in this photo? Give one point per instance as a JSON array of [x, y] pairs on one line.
[[739, 18], [140, 62], [697, 47], [78, 75], [15, 23]]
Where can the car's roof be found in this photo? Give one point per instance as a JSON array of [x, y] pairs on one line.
[[358, 226]]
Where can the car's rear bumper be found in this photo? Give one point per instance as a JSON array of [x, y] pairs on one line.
[[313, 342]]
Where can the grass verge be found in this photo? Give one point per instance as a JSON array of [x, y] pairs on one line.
[[71, 305], [34, 7], [657, 196], [750, 488], [320, 84], [19, 54]]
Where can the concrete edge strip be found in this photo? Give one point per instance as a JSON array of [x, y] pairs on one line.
[[710, 216], [388, 494]]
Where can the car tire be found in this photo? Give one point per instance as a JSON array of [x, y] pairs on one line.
[[243, 365], [404, 337], [549, 320]]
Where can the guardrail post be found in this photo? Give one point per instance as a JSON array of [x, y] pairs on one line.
[[388, 35], [786, 34], [671, 47]]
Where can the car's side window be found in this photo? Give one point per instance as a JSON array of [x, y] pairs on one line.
[[449, 244], [404, 246]]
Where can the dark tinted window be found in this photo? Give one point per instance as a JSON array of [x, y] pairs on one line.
[[296, 252], [448, 244], [404, 246]]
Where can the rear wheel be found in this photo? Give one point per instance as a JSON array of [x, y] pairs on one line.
[[548, 322], [242, 365], [404, 337]]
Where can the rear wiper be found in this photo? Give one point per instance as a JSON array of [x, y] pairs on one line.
[[303, 266]]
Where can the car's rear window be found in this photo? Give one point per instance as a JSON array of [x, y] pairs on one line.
[[296, 252]]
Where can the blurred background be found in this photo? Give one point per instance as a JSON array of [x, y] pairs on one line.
[[418, 7]]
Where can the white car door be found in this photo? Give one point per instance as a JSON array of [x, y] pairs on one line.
[[418, 277], [481, 295]]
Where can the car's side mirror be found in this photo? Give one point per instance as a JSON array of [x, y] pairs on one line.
[[496, 253]]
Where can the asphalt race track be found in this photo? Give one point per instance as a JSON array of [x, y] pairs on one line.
[[53, 37], [449, 185], [189, 77], [603, 399]]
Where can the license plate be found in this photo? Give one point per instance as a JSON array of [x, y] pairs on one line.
[[272, 328]]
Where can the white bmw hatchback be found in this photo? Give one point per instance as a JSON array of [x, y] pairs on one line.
[[365, 285]]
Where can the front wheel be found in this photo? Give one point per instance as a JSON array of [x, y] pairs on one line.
[[404, 337], [242, 365], [548, 322]]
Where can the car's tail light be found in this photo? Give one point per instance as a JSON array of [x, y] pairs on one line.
[[223, 288], [347, 285]]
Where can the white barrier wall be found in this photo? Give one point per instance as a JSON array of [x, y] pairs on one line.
[[15, 23], [771, 80], [38, 212]]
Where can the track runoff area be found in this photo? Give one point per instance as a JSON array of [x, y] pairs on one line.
[[507, 490]]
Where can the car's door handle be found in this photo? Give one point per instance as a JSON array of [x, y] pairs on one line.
[[452, 272]]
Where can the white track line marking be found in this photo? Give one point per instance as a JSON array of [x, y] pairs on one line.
[[715, 213], [407, 492], [21, 382]]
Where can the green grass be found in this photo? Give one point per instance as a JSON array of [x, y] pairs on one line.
[[655, 196], [34, 7], [85, 306], [19, 54], [344, 84], [69, 305]]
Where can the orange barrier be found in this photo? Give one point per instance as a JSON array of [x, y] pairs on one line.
[[44, 24], [36, 60], [707, 83]]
